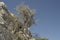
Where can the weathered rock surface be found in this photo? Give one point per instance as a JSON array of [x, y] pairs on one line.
[[10, 26], [5, 34]]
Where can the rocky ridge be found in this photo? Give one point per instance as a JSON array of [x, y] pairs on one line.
[[11, 28]]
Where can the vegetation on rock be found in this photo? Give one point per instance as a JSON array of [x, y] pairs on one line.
[[11, 26]]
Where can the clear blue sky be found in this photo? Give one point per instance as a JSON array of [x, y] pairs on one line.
[[47, 16]]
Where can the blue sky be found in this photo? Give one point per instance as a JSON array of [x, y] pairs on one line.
[[47, 16]]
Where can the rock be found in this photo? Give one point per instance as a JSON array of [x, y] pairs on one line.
[[1, 20], [10, 26], [2, 3], [5, 34]]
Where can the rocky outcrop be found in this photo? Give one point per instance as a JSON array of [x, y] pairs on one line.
[[11, 28]]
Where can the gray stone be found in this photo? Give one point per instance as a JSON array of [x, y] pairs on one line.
[[11, 28]]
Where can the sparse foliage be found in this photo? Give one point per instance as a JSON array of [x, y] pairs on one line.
[[27, 14]]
